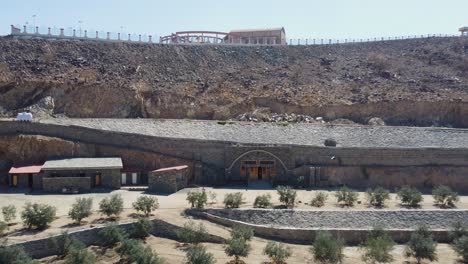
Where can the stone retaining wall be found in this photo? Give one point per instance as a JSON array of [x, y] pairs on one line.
[[352, 236], [40, 248], [56, 184]]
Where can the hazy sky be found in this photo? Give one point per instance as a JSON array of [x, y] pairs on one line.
[[301, 18]]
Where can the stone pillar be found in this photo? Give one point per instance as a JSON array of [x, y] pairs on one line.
[[74, 33], [24, 30], [61, 32], [49, 31], [149, 39], [129, 37], [139, 38], [85, 33], [118, 36], [108, 36], [37, 30], [97, 34]]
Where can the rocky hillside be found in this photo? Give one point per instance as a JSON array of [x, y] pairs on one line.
[[403, 82]]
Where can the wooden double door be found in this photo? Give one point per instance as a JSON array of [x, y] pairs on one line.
[[258, 170]]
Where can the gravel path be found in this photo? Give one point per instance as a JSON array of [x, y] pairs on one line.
[[271, 133], [390, 219]]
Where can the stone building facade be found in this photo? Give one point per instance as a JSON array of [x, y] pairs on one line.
[[168, 180], [293, 154]]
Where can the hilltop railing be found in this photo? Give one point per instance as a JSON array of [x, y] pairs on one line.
[[79, 34]]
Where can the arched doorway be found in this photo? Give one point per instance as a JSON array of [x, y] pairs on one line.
[[257, 165]]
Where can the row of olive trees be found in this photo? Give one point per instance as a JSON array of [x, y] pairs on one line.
[[410, 197], [39, 216], [326, 248]]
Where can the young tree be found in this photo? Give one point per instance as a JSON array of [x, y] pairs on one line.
[[237, 247], [9, 213], [82, 208], [346, 196], [38, 215], [233, 200], [263, 201], [287, 195], [327, 249], [64, 244], [377, 196], [197, 199], [319, 199], [378, 246], [240, 231], [80, 256], [14, 255], [460, 245], [142, 228], [277, 252], [146, 204], [192, 233], [134, 252], [409, 196], [111, 234], [421, 245], [111, 206], [444, 196], [198, 255]]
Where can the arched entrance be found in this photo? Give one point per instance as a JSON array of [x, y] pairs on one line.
[[257, 165]]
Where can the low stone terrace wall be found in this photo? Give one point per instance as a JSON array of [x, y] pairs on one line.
[[40, 248], [301, 226]]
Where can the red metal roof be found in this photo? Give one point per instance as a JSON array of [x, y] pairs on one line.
[[25, 169], [176, 168]]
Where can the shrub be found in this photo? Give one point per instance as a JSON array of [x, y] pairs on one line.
[[146, 204], [460, 245], [233, 200], [421, 245], [377, 248], [263, 201], [327, 249], [64, 244], [82, 208], [38, 215], [135, 252], [112, 205], [319, 199], [277, 252], [213, 196], [239, 231], [410, 196], [237, 247], [111, 234], [377, 196], [3, 228], [142, 228], [346, 196], [197, 199], [459, 229], [192, 233], [9, 213], [287, 195], [198, 255], [444, 196], [81, 256], [14, 255]]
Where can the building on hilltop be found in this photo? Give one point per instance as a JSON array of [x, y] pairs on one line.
[[264, 36], [464, 31]]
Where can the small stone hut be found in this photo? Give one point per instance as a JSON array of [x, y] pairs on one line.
[[23, 175], [81, 173], [168, 180]]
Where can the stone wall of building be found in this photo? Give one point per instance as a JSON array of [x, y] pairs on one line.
[[167, 181], [56, 184], [339, 165]]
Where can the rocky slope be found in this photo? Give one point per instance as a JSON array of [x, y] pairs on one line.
[[404, 82]]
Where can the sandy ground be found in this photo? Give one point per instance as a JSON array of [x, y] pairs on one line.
[[171, 210]]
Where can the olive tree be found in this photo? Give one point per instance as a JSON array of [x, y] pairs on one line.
[[409, 196], [346, 196], [198, 255], [277, 252], [38, 215], [237, 248], [377, 196], [9, 213], [327, 249], [377, 247], [421, 245], [192, 233], [287, 195], [146, 204], [444, 196], [112, 205], [82, 208]]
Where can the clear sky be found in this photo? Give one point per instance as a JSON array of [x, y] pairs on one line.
[[301, 18]]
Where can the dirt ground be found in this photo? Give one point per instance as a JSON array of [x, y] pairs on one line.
[[171, 210]]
